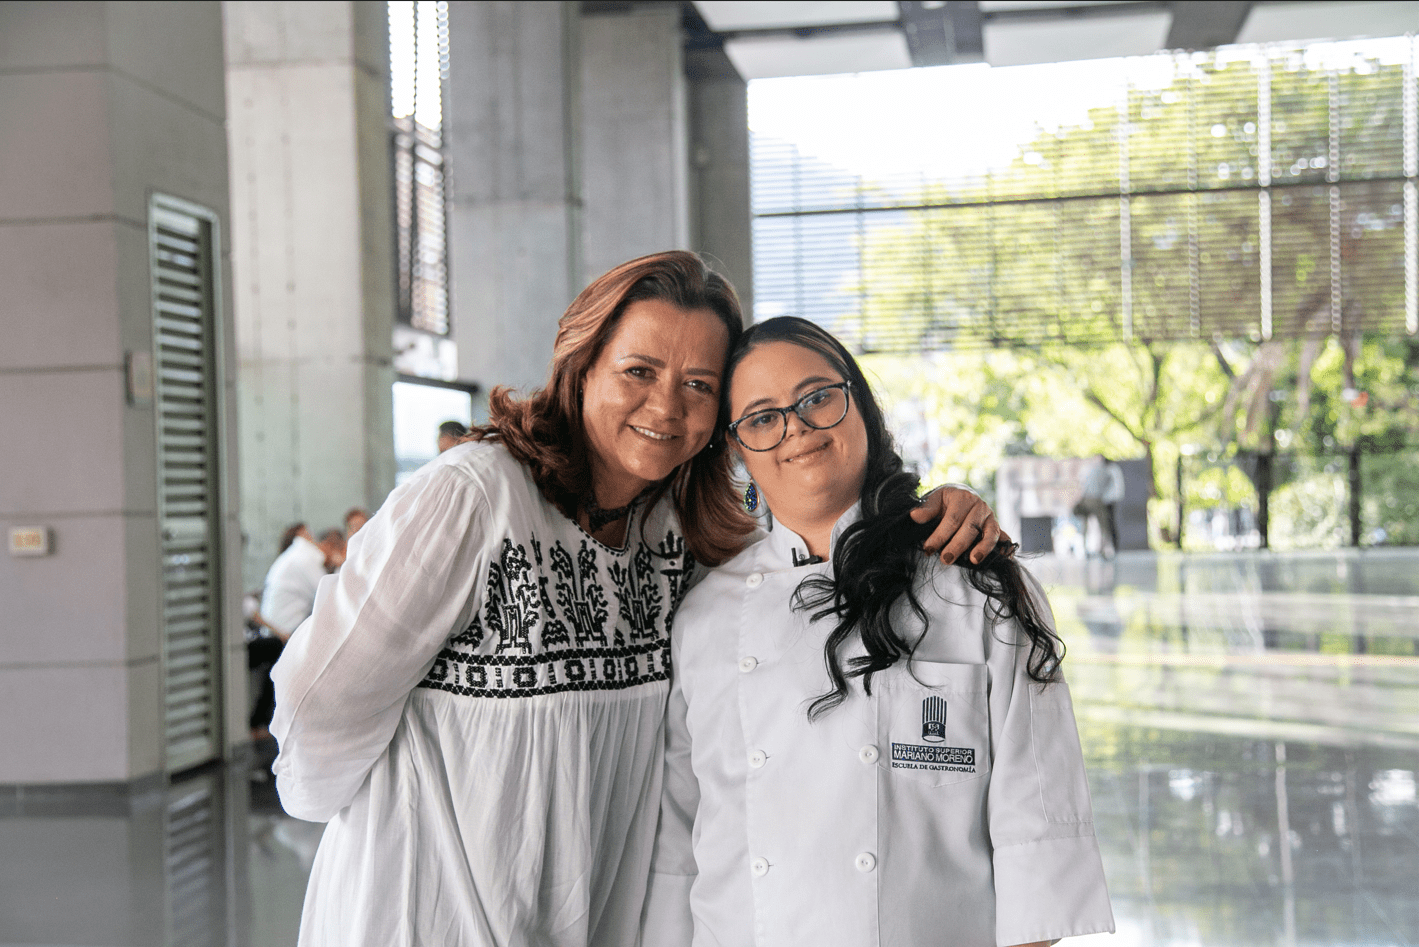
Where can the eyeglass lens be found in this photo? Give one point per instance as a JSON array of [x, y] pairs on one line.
[[819, 409]]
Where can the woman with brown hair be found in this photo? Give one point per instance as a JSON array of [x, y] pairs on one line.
[[476, 703]]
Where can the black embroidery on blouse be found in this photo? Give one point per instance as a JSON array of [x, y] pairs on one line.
[[580, 595], [678, 566], [546, 642], [512, 600], [554, 632]]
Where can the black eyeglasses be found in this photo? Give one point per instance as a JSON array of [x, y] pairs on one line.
[[820, 409]]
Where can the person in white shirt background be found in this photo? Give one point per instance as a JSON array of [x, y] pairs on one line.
[[476, 704], [864, 747], [288, 596], [287, 599]]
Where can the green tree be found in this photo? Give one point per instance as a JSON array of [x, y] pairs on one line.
[[1082, 359]]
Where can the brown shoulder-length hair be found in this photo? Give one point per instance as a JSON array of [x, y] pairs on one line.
[[544, 431]]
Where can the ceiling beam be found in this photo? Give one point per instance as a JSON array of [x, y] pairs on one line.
[[1083, 12], [941, 33], [964, 16], [1203, 24]]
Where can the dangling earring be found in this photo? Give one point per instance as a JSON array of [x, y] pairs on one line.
[[751, 498]]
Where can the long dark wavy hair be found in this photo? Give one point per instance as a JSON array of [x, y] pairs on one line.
[[545, 431], [878, 559]]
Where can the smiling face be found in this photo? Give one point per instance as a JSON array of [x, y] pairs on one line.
[[651, 398], [812, 477]]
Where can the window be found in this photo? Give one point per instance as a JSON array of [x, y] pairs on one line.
[[418, 51], [1238, 193]]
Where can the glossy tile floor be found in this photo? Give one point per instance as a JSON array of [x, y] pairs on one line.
[[1251, 723]]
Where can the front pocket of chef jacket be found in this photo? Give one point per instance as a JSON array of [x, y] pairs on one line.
[[934, 722]]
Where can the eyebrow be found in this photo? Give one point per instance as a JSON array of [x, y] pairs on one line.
[[660, 363], [816, 379]]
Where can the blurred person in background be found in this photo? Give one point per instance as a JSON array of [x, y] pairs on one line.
[[286, 600], [1103, 491], [357, 517], [450, 433]]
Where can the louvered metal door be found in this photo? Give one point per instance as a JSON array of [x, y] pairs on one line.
[[182, 240]]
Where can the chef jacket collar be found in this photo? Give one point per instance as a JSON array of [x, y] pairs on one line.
[[785, 549]]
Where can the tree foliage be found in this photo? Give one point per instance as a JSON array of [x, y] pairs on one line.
[[1163, 355]]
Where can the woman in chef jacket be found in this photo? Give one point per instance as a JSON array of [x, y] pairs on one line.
[[864, 747]]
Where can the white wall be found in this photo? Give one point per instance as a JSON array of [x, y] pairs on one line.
[[101, 104]]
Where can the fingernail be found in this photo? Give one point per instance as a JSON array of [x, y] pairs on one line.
[[947, 559]]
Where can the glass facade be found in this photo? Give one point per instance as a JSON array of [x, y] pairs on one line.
[[1241, 193]]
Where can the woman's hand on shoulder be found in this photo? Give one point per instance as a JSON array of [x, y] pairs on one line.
[[964, 523]]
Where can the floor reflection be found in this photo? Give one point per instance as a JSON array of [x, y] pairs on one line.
[[1252, 728], [1251, 724]]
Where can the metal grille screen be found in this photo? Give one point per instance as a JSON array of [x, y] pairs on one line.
[[181, 238], [418, 42], [1244, 193]]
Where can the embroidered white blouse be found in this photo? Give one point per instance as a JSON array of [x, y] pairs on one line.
[[476, 708], [949, 808]]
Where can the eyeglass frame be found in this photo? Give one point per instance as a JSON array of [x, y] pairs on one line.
[[733, 426]]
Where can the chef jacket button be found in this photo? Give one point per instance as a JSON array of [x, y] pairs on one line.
[[758, 758], [760, 867], [748, 663], [755, 580], [868, 754], [864, 862]]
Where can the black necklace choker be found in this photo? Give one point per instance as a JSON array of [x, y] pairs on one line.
[[598, 519]]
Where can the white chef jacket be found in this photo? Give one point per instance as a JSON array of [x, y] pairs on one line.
[[289, 592], [948, 808], [476, 706]]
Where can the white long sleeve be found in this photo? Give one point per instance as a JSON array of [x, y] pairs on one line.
[[1049, 879], [378, 624]]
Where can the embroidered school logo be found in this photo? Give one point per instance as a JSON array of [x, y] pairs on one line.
[[956, 759], [932, 755], [933, 720]]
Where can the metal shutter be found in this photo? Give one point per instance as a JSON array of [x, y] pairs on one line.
[[182, 243]]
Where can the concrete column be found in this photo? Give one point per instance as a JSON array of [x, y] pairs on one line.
[[514, 206], [313, 262], [634, 138], [721, 225], [569, 152], [101, 104]]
